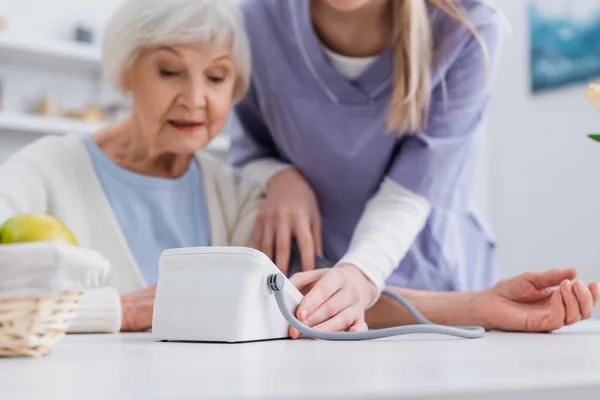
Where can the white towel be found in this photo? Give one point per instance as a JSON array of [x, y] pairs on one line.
[[48, 267]]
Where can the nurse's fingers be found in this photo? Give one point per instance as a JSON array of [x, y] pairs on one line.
[[344, 320], [283, 243], [294, 333], [305, 243], [584, 297], [267, 238], [334, 305], [359, 326], [257, 234], [304, 279], [330, 283], [315, 225], [572, 313]]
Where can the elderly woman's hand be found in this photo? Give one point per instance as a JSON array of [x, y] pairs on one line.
[[290, 210], [335, 299], [539, 302], [137, 309]]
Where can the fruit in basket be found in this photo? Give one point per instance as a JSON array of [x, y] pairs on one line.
[[32, 227]]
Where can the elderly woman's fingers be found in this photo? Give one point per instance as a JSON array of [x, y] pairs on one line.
[[137, 309], [340, 300], [584, 298], [595, 290], [572, 313], [548, 279], [549, 321]]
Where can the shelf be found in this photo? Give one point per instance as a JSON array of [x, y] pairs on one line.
[[41, 125], [62, 54]]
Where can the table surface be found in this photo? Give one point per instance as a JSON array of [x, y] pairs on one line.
[[134, 366]]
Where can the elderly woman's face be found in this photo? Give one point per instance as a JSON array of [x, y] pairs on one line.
[[182, 94]]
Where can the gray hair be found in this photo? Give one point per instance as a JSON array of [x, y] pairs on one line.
[[136, 24]]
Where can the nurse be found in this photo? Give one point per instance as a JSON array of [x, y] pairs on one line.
[[363, 123]]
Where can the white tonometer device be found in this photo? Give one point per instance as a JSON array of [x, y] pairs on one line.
[[237, 294]]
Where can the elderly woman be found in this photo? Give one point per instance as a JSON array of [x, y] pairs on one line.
[[143, 185], [140, 186]]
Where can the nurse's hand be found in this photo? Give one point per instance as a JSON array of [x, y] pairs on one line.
[[137, 309], [290, 209], [335, 299], [539, 302]]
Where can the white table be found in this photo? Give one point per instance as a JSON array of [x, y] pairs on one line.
[[563, 365]]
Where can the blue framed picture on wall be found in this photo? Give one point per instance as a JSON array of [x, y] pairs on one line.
[[564, 43]]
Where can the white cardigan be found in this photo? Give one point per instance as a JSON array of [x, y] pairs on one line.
[[54, 175]]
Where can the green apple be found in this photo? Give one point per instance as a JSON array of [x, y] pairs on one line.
[[31, 227]]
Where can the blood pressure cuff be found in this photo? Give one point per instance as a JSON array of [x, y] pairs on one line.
[[295, 264]]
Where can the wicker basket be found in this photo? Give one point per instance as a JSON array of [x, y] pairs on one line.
[[31, 324]]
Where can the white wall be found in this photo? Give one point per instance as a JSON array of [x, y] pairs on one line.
[[544, 189]]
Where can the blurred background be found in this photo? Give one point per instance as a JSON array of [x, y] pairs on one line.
[[50, 71], [537, 184]]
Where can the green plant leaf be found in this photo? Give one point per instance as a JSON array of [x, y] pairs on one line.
[[594, 136]]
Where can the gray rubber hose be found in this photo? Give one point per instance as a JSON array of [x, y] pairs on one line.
[[277, 281]]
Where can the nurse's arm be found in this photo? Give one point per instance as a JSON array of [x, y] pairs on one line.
[[254, 151], [532, 302], [292, 209], [24, 189]]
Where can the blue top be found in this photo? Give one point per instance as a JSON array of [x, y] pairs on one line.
[[154, 213], [334, 132]]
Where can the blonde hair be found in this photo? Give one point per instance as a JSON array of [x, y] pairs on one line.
[[413, 58], [136, 24]]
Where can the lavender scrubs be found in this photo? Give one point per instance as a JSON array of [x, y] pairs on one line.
[[302, 111]]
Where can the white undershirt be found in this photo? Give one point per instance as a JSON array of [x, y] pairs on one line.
[[348, 67], [393, 217], [391, 221]]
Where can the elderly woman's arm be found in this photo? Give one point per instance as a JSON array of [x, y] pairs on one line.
[[532, 302], [24, 188], [99, 312]]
